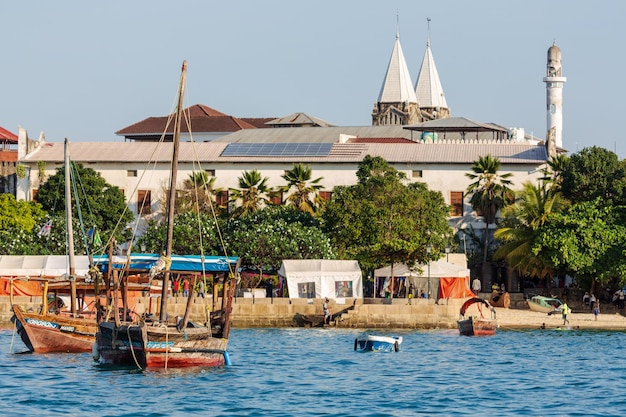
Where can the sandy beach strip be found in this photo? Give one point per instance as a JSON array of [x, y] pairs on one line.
[[527, 319]]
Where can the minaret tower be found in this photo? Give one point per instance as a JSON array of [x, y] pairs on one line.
[[554, 98]]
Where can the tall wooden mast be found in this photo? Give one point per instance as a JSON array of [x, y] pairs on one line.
[[172, 191]]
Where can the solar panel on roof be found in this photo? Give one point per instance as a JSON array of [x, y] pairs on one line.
[[277, 149]]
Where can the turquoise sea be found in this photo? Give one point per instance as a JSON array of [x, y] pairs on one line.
[[316, 372]]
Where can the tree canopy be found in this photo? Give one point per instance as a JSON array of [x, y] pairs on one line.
[[101, 204], [383, 219], [592, 173]]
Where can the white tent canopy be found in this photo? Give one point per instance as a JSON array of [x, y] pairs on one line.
[[438, 269], [433, 281], [319, 278], [48, 266]]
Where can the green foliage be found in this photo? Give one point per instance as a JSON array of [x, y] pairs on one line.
[[252, 195], [595, 173], [192, 233], [20, 215], [299, 178], [382, 220], [264, 238], [490, 192], [587, 241], [520, 226], [101, 204]]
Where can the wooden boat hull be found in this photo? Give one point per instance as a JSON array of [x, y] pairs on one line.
[[477, 327], [146, 346], [373, 343], [47, 333], [543, 305]]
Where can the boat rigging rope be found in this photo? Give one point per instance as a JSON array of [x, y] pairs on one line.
[[132, 348], [13, 336]]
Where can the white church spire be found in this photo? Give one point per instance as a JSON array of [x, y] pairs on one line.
[[397, 104], [397, 86], [428, 89]]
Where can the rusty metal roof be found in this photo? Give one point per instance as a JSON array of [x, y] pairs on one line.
[[446, 152]]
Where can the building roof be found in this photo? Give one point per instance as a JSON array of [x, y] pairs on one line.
[[203, 119], [299, 120], [456, 124], [446, 152], [428, 89], [6, 136], [397, 86]]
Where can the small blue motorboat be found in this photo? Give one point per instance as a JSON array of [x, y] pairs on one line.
[[374, 343]]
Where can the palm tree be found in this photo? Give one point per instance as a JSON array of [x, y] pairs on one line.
[[521, 221], [199, 192], [299, 177], [553, 173], [253, 193], [490, 192]]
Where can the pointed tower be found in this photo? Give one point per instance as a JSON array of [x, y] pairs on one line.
[[428, 90], [397, 104], [554, 97]]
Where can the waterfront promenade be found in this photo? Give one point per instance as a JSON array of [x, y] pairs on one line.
[[360, 313]]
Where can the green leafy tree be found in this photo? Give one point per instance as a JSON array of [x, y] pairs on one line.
[[264, 238], [592, 173], [18, 215], [193, 233], [299, 178], [490, 191], [102, 205], [587, 241], [520, 226], [19, 222], [252, 195], [383, 219]]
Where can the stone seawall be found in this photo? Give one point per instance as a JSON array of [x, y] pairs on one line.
[[282, 312]]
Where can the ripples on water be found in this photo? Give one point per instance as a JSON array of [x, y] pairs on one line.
[[316, 372]]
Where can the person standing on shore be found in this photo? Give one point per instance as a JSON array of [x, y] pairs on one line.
[[201, 288], [326, 311], [565, 312], [476, 286], [596, 310]]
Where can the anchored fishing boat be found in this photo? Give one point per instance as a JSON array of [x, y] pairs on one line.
[[163, 341], [474, 325], [545, 304], [375, 343], [52, 330]]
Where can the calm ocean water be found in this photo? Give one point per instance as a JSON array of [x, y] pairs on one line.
[[315, 372]]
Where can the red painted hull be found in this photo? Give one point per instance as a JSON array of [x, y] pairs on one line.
[[54, 333], [477, 327], [159, 346]]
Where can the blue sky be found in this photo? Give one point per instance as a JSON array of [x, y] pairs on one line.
[[84, 70]]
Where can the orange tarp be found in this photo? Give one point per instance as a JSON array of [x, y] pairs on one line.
[[28, 288], [454, 288]]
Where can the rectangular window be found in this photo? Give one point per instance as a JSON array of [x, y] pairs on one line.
[[326, 195], [34, 193], [416, 173], [277, 199], [210, 172], [222, 199], [144, 202], [306, 290], [456, 201], [131, 173]]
